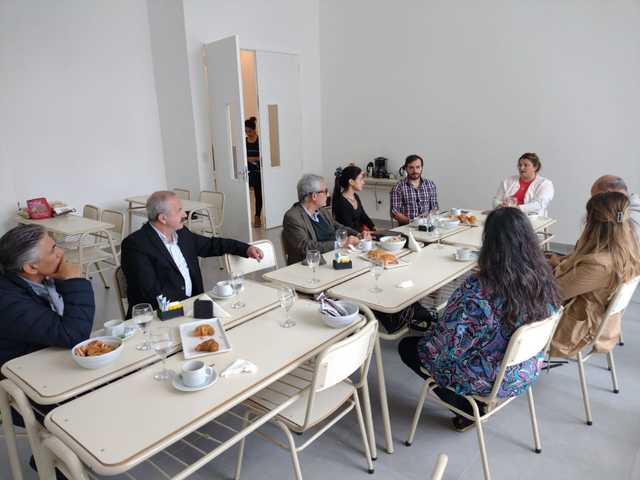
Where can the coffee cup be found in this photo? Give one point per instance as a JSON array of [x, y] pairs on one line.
[[224, 289], [463, 253], [114, 328], [195, 373]]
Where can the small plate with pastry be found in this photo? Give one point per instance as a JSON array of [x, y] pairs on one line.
[[203, 337], [387, 258]]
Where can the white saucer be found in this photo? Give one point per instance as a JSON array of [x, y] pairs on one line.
[[219, 297], [211, 379]]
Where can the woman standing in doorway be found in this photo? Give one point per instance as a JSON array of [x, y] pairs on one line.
[[253, 157]]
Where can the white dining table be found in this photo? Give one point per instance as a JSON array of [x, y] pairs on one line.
[[111, 436]]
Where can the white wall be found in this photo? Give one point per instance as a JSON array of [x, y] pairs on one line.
[[79, 114], [472, 85], [279, 25]]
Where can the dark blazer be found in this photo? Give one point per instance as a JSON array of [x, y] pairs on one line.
[[27, 322], [151, 271], [298, 234]]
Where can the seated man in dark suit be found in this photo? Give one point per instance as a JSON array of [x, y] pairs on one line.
[[44, 301], [162, 257]]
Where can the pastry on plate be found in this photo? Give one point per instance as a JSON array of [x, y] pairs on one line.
[[93, 349], [204, 330], [382, 256], [208, 346]]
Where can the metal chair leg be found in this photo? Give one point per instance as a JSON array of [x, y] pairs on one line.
[[363, 432], [10, 436], [366, 407], [245, 422], [534, 421], [583, 386], [483, 447], [614, 377], [292, 447], [418, 412]]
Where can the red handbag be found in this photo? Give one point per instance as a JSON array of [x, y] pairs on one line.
[[39, 208]]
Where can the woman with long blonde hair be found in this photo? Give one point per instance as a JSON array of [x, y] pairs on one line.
[[606, 255]]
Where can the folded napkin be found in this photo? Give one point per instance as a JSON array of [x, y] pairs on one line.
[[412, 244], [218, 311], [239, 366]]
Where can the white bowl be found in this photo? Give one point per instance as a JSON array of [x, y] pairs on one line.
[[388, 243], [98, 361], [343, 321], [448, 223]]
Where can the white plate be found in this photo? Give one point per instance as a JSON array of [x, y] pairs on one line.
[[178, 385], [213, 294], [190, 342]]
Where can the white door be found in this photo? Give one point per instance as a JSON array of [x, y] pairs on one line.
[[227, 135], [280, 117]]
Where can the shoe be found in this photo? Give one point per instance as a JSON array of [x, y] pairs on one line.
[[422, 318], [257, 223], [461, 424]]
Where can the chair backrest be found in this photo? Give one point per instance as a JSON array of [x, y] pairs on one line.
[[440, 466], [183, 193], [121, 286], [341, 359], [526, 342], [243, 266], [116, 219], [285, 254], [217, 200], [91, 212], [619, 301]]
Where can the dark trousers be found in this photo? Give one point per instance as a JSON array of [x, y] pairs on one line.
[[408, 350], [255, 182]]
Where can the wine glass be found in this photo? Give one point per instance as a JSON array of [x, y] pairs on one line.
[[236, 284], [377, 269], [341, 238], [163, 342], [288, 298], [433, 214], [142, 315], [313, 260]]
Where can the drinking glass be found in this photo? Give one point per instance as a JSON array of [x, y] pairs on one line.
[[377, 269], [287, 300], [236, 284], [341, 238], [142, 315], [313, 260], [163, 342], [433, 214]]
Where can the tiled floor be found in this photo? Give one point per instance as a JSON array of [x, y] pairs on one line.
[[571, 450]]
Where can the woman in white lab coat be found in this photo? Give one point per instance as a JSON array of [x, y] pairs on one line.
[[528, 190]]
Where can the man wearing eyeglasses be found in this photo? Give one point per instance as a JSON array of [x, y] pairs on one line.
[[307, 225], [414, 195]]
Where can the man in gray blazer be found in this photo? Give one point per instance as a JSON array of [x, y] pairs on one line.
[[309, 226]]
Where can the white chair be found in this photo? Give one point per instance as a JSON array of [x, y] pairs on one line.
[[12, 397], [64, 459], [115, 218], [121, 287], [91, 211], [217, 200], [617, 304], [526, 342], [73, 242], [243, 266], [323, 388], [183, 193], [439, 467]]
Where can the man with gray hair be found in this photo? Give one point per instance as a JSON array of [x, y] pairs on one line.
[[307, 225], [162, 257], [43, 299]]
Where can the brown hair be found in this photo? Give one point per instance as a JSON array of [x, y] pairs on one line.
[[533, 158], [608, 229]]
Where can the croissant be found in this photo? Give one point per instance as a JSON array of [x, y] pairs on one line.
[[208, 346], [204, 330]]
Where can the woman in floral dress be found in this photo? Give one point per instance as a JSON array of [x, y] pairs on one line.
[[514, 287]]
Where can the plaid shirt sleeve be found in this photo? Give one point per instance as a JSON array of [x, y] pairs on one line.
[[396, 198]]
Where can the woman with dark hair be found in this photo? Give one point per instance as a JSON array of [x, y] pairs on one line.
[[253, 159], [345, 203], [464, 349], [528, 191], [607, 254]]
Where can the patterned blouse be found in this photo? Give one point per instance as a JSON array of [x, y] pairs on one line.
[[465, 348]]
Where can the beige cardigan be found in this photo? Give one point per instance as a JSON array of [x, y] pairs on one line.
[[587, 290]]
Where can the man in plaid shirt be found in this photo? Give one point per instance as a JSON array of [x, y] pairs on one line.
[[414, 195]]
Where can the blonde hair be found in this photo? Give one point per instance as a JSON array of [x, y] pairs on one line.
[[608, 229]]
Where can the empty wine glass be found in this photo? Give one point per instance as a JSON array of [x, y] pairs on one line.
[[288, 298], [313, 260], [341, 238], [163, 342], [142, 315], [377, 269], [236, 284]]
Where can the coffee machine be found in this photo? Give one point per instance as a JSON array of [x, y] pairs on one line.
[[378, 168]]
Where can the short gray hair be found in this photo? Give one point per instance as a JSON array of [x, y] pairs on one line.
[[157, 204], [19, 246], [308, 184], [611, 183]]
